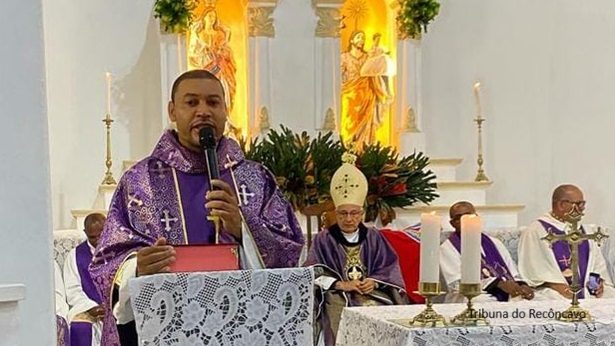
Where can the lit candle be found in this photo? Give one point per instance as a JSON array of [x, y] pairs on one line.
[[477, 99], [108, 76], [470, 249], [430, 248]]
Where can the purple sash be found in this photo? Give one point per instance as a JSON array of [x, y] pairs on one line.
[[81, 334], [491, 261], [561, 251], [84, 258]]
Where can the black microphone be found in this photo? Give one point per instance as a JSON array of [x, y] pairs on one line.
[[207, 139]]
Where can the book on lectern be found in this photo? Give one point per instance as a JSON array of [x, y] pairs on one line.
[[205, 258]]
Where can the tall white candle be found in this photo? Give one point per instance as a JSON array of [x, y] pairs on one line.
[[479, 112], [470, 249], [430, 248], [108, 77]]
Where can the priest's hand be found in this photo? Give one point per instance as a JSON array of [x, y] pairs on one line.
[[348, 286], [223, 203], [97, 312], [527, 292], [600, 289], [156, 258], [511, 287], [367, 286], [562, 289]]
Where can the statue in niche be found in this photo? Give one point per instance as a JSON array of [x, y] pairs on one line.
[[209, 50], [365, 88]]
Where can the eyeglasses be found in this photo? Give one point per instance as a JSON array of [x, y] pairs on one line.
[[579, 204], [353, 214]]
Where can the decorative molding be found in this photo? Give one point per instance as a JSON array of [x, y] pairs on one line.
[[329, 22], [409, 121], [329, 123], [260, 21]]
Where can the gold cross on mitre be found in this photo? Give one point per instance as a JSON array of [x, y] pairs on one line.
[[574, 237]]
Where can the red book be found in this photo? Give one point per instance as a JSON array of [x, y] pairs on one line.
[[205, 258]]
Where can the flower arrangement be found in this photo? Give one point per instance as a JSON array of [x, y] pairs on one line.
[[414, 16], [303, 168], [175, 15]]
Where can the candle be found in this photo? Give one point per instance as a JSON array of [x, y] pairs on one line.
[[430, 248], [477, 99], [108, 76], [470, 249]]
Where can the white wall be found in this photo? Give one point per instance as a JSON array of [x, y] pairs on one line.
[[548, 75], [83, 40], [25, 208]]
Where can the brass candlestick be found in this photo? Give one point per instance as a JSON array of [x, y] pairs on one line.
[[480, 175], [108, 179], [469, 316], [575, 313], [429, 317]]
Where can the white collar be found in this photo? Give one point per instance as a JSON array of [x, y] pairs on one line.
[[352, 237]]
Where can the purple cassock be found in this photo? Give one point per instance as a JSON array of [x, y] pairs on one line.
[[561, 251], [163, 195], [378, 262], [492, 264]]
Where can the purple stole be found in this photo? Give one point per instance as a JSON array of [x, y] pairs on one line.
[[561, 251], [491, 261], [84, 258]]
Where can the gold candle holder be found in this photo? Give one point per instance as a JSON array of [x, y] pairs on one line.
[[429, 317], [469, 316], [108, 179], [480, 174]]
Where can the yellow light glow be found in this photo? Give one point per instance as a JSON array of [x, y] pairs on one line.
[[371, 17], [232, 17]]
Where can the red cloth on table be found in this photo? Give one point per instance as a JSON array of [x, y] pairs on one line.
[[408, 250]]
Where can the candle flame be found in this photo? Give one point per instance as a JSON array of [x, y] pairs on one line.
[[477, 85]]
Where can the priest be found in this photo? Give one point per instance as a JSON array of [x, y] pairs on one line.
[[548, 267], [354, 264], [165, 199], [86, 310], [500, 279]]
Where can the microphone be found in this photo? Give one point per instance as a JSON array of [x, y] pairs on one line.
[[207, 139]]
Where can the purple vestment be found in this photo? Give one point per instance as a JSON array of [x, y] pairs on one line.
[[163, 195], [561, 251], [83, 257], [491, 262], [378, 258]]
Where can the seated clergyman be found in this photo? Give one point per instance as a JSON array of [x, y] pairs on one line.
[[499, 277], [354, 265]]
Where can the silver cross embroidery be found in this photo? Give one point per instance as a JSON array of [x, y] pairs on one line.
[[159, 169], [132, 199], [104, 256], [167, 219], [244, 194]]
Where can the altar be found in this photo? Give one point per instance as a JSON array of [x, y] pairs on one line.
[[511, 323]]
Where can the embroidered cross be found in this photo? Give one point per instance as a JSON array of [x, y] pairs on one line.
[[565, 261], [355, 274], [132, 198], [167, 220], [346, 185], [105, 256], [230, 163], [244, 194], [160, 170]]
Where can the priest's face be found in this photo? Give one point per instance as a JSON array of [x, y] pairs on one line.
[[198, 102], [349, 217], [93, 232], [457, 211], [573, 199]]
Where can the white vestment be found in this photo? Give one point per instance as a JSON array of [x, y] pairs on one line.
[[538, 265], [77, 300], [60, 295], [450, 265]]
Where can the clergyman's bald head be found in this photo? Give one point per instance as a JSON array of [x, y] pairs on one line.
[[563, 191]]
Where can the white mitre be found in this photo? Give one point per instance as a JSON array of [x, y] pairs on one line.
[[348, 185]]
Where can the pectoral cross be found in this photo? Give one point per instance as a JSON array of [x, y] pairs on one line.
[[167, 220], [574, 237], [355, 274], [244, 194]]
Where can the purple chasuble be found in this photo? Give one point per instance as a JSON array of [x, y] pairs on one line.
[[491, 262], [163, 195], [561, 251], [84, 258]]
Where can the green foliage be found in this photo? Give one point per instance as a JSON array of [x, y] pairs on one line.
[[304, 166], [175, 15], [414, 16]]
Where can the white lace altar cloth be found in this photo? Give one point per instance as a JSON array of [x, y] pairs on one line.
[[246, 307], [374, 326]]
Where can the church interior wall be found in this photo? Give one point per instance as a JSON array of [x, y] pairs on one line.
[[25, 208], [547, 72]]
